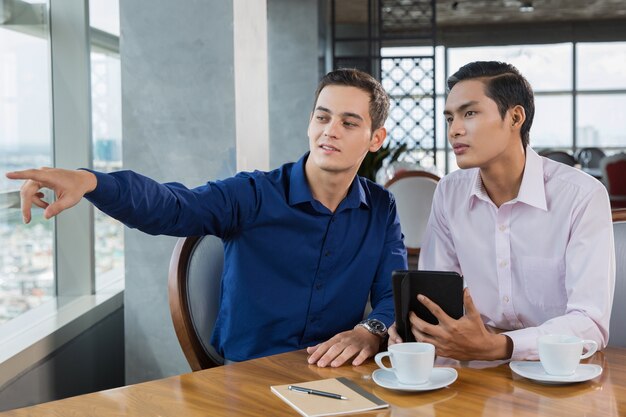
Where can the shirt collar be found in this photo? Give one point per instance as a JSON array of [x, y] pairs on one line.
[[532, 190], [300, 192]]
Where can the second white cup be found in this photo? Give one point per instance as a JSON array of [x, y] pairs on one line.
[[412, 363], [560, 354]]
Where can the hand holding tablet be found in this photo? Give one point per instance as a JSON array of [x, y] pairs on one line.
[[443, 288]]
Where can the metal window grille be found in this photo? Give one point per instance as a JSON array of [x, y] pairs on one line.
[[359, 29]]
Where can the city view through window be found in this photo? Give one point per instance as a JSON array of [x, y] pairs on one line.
[[26, 251]]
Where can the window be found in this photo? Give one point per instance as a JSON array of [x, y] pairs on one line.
[[107, 153], [26, 252], [106, 119], [407, 75], [601, 99], [546, 67], [104, 15], [601, 66], [552, 125], [600, 120]]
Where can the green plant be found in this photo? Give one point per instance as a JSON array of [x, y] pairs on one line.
[[374, 160]]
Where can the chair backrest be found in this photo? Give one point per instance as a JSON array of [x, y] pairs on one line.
[[559, 156], [594, 156], [194, 286], [614, 173], [413, 191], [617, 330]]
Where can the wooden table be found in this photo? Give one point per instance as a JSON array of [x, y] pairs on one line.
[[242, 389]]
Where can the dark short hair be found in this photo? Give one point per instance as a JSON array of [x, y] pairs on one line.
[[349, 77], [503, 84]]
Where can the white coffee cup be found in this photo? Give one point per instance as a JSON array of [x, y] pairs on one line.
[[560, 354], [412, 363]]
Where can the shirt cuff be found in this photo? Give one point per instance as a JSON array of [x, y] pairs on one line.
[[107, 188], [524, 344], [388, 321]]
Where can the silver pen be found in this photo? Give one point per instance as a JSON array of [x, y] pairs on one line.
[[316, 392]]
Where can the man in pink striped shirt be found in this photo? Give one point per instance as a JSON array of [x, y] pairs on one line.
[[532, 237]]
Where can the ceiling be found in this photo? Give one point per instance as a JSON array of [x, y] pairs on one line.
[[474, 12]]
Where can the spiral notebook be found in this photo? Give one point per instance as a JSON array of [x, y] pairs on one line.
[[358, 399]]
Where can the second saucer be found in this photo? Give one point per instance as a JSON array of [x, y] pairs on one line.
[[533, 370]]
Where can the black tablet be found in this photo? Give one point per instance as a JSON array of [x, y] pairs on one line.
[[443, 288]]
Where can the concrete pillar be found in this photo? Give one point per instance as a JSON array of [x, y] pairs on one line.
[[196, 77]]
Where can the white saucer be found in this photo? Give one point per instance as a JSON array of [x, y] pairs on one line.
[[440, 377], [533, 370]]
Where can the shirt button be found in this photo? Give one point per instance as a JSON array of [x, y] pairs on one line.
[[502, 227], [327, 253], [503, 263], [506, 299], [318, 286]]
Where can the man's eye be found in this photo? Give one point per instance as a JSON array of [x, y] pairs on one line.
[[320, 118], [470, 113], [349, 124]]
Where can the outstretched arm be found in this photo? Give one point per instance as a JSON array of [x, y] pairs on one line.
[[139, 202], [69, 186]]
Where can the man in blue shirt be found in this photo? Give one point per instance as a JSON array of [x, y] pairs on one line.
[[305, 244]]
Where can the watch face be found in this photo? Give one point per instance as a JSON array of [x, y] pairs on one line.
[[375, 326]]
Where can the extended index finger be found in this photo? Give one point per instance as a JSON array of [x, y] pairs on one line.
[[27, 174]]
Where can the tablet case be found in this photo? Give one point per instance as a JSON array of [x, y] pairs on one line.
[[443, 288]]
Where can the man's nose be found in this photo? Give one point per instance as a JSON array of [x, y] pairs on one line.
[[331, 129], [456, 128]]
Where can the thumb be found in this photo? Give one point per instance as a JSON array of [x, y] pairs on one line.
[[63, 203]]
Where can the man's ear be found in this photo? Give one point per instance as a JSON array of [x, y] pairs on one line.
[[378, 137], [518, 116]]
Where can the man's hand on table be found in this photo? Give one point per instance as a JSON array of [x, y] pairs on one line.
[[344, 346]]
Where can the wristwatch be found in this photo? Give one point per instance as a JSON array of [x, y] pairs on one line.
[[374, 326]]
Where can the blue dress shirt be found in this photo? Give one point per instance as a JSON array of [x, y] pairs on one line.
[[295, 274]]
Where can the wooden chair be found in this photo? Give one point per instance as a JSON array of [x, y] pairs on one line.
[[413, 191], [194, 286], [617, 330]]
